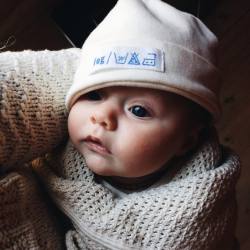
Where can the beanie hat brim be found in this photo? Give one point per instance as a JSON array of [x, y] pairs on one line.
[[194, 77]]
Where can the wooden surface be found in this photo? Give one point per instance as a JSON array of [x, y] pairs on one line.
[[231, 23]]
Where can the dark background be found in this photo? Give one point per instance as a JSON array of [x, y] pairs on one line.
[[78, 18], [57, 24]]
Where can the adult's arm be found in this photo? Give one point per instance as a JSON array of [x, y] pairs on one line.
[[33, 85]]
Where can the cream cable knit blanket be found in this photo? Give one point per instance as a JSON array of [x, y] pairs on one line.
[[193, 208]]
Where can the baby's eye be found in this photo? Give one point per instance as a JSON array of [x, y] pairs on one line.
[[94, 96], [139, 111]]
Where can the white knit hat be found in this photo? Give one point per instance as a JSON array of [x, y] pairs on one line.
[[148, 43]]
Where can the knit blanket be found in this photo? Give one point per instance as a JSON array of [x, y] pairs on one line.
[[192, 207]]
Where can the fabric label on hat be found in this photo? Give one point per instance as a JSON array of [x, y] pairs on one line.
[[128, 58]]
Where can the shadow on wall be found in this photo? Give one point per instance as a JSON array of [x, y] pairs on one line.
[[78, 18]]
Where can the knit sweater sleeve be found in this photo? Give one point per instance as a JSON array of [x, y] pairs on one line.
[[33, 85]]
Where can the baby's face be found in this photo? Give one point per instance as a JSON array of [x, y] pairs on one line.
[[128, 131]]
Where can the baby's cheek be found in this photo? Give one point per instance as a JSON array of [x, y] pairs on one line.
[[140, 149]]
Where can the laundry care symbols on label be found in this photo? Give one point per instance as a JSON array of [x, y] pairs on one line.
[[128, 58]]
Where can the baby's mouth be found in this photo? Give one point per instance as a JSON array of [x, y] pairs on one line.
[[96, 145]]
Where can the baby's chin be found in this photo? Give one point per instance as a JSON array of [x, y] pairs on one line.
[[109, 172], [112, 172], [100, 169]]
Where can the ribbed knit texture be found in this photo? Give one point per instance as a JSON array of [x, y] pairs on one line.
[[33, 86], [26, 221], [32, 94], [193, 208]]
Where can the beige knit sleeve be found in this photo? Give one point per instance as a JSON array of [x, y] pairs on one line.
[[33, 85]]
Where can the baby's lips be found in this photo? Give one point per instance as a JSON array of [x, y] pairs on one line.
[[96, 143]]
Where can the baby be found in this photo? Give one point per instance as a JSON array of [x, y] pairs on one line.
[[143, 168], [144, 86]]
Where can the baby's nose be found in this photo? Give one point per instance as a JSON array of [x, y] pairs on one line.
[[106, 117]]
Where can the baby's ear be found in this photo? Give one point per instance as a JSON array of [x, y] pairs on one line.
[[190, 141]]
